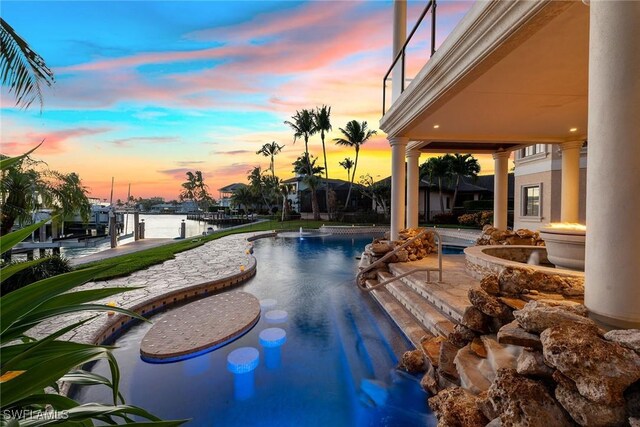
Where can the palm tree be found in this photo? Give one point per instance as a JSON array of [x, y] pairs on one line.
[[347, 163], [462, 166], [303, 127], [243, 197], [25, 190], [271, 150], [322, 121], [355, 135], [437, 168], [22, 69], [285, 191], [311, 178], [195, 189]]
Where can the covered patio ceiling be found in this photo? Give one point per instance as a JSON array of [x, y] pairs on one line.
[[531, 87]]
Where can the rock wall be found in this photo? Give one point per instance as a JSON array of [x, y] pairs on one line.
[[523, 357], [493, 236]]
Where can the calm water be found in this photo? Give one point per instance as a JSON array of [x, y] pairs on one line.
[[337, 340], [156, 226]]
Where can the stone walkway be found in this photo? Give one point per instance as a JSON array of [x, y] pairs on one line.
[[212, 261]]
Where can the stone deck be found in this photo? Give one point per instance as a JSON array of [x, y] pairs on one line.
[[212, 266]]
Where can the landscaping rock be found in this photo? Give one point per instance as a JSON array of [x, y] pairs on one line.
[[474, 372], [601, 369], [513, 334], [629, 338], [446, 359], [632, 399], [500, 356], [477, 346], [431, 347], [456, 408], [429, 382], [381, 247], [515, 303], [536, 317], [520, 280], [521, 401], [413, 361], [461, 335], [532, 363], [489, 284], [486, 303], [587, 413], [474, 319]]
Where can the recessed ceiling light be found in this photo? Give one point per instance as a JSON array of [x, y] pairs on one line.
[[436, 126], [573, 130]]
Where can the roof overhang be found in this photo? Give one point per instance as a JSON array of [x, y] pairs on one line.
[[511, 74]]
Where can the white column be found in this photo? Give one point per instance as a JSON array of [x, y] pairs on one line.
[[399, 37], [570, 193], [500, 188], [612, 288], [413, 187], [398, 151]]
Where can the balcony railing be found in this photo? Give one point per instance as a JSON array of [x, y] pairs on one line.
[[400, 58]]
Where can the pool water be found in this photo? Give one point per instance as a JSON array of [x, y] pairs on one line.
[[337, 367]]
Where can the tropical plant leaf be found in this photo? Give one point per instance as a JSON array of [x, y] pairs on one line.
[[49, 351], [10, 161], [9, 240], [21, 68], [23, 301]]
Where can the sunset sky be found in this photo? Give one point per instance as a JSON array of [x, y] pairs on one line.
[[148, 90]]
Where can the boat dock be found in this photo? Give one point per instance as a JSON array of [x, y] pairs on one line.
[[220, 218]]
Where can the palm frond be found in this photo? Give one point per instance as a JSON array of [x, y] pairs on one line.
[[23, 70]]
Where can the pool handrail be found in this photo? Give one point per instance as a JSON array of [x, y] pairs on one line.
[[393, 252]]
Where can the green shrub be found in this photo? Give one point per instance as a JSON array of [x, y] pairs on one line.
[[43, 269], [468, 219]]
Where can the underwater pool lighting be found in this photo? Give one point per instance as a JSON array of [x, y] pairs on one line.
[[276, 316], [273, 337], [267, 304]]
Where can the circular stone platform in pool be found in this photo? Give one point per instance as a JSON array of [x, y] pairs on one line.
[[199, 327]]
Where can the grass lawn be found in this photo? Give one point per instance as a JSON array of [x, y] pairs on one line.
[[126, 264]]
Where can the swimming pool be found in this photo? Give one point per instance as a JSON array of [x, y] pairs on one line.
[[339, 342]]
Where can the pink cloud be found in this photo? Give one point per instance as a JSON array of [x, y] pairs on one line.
[[127, 142], [54, 141]]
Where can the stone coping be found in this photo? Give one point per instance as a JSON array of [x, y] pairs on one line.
[[482, 260], [352, 229], [199, 327]]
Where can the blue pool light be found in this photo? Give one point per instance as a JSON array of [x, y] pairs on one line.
[[242, 362], [272, 340], [268, 304], [276, 316]]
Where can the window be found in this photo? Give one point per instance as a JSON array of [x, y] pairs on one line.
[[531, 201], [533, 149]]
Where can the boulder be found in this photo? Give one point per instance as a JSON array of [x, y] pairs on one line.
[[431, 347], [475, 372], [601, 369], [489, 284], [429, 382], [532, 363], [536, 317], [513, 334], [381, 247], [486, 303], [456, 407], [474, 319], [515, 303], [587, 413], [412, 361], [477, 346], [446, 359], [519, 280], [461, 335], [629, 338], [522, 401]]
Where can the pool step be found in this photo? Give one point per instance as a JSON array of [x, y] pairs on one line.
[[440, 295], [428, 314], [413, 329]]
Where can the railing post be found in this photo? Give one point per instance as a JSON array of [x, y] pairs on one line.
[[433, 27]]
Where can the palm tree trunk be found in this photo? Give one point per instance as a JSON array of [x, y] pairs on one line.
[[440, 191], [355, 166], [314, 204], [326, 175], [455, 192]]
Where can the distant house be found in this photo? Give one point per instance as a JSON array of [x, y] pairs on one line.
[[164, 208], [301, 197], [226, 192]]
